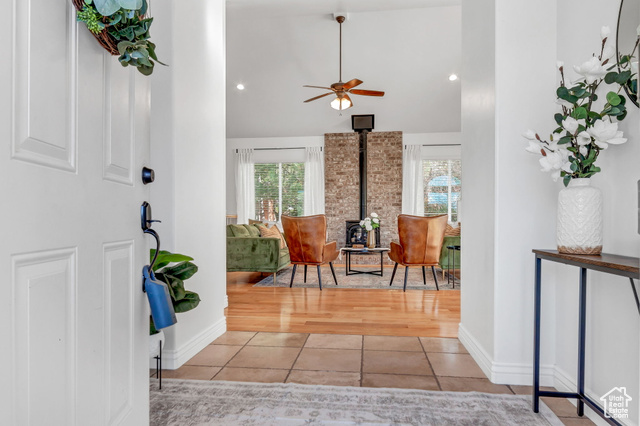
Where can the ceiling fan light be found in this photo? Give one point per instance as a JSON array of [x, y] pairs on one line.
[[341, 103]]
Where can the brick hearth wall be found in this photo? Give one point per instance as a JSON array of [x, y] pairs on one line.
[[384, 175], [384, 181], [341, 183]]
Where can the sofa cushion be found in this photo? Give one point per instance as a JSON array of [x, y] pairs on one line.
[[239, 231], [253, 231]]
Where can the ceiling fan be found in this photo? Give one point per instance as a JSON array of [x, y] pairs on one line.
[[342, 90]]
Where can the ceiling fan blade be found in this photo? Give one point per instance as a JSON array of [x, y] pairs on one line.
[[366, 92], [318, 97], [319, 87], [352, 83]]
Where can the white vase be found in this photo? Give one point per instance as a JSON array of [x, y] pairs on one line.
[[580, 218], [371, 239], [155, 340]]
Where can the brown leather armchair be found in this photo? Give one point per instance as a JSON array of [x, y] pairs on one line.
[[420, 244], [306, 239]]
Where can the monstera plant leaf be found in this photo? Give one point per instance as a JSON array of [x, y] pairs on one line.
[[189, 302], [166, 257], [109, 7]]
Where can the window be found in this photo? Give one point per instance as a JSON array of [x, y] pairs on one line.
[[442, 187], [279, 190]]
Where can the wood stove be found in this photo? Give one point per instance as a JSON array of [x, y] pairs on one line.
[[355, 233]]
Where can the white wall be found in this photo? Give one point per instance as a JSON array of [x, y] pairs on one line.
[[478, 175], [409, 54], [525, 197], [511, 90], [188, 152], [613, 326]]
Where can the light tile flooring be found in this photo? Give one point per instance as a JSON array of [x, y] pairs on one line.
[[429, 363]]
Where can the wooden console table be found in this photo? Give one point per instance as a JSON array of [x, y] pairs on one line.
[[608, 263]]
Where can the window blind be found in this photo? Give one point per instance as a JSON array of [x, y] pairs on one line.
[[279, 190]]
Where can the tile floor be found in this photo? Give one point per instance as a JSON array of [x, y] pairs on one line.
[[350, 360]]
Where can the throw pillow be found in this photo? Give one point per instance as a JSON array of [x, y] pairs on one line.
[[240, 231], [273, 232], [450, 231]]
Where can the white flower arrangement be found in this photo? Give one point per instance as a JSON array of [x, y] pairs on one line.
[[582, 131], [370, 223]]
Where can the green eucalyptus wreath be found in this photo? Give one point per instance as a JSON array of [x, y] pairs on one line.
[[123, 21]]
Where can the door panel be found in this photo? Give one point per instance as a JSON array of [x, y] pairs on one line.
[[75, 126], [119, 124], [45, 84], [118, 282], [45, 285]]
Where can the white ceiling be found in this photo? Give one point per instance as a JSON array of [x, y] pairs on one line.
[[280, 8], [406, 48]]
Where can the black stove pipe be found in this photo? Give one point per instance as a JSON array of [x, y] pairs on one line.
[[362, 136]]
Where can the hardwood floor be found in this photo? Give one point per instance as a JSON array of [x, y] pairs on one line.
[[421, 313]]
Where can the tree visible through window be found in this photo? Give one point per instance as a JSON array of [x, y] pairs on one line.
[[279, 190], [442, 187]]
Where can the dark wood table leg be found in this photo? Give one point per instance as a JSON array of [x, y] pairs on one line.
[[347, 263], [582, 337], [536, 338]]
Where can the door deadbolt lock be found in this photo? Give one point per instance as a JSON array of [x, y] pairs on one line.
[[148, 175]]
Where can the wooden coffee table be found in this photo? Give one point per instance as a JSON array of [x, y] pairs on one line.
[[365, 252]]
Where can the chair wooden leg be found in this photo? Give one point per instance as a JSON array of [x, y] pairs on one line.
[[393, 274], [333, 272], [305, 274], [275, 279], [319, 278], [433, 270], [406, 275], [424, 276], [293, 274]]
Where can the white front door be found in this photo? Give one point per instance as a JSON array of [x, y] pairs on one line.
[[74, 130]]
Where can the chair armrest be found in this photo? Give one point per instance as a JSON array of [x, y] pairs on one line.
[[330, 252], [252, 254], [397, 253]]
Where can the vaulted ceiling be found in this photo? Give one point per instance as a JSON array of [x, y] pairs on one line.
[[407, 48]]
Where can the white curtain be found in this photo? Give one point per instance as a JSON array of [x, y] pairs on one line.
[[245, 185], [313, 181], [412, 181]]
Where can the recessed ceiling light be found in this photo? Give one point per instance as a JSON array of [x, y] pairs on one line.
[[453, 77], [240, 86]]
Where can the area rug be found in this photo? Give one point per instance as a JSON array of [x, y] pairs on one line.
[[194, 402], [361, 281]]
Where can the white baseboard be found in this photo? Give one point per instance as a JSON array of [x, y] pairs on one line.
[[174, 359], [476, 351], [521, 374], [565, 382], [500, 372]]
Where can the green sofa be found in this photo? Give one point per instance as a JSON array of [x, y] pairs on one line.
[[444, 254], [248, 252]]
